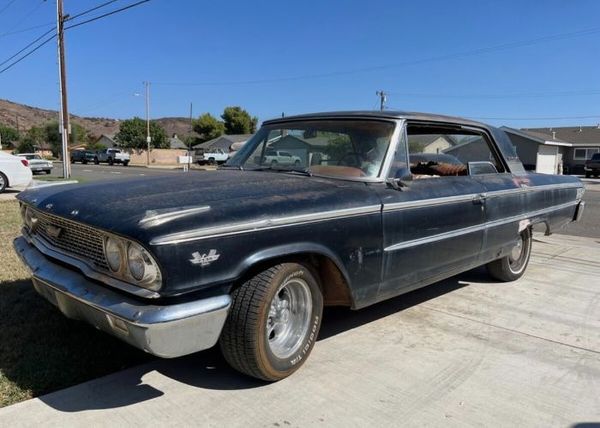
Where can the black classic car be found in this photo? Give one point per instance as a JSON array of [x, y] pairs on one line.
[[379, 204]]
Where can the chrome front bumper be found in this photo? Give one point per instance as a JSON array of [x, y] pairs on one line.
[[165, 331]]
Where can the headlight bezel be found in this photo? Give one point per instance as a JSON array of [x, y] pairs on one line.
[[151, 279]]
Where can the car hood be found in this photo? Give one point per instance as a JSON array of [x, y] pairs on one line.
[[147, 207]]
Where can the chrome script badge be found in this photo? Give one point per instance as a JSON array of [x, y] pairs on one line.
[[204, 259]]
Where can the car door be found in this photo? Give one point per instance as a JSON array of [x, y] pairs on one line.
[[434, 222]]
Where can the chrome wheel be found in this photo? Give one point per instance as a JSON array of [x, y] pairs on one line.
[[289, 317], [2, 182], [517, 250]]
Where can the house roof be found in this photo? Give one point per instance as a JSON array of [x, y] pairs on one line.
[[574, 135], [224, 141], [537, 137], [176, 143]]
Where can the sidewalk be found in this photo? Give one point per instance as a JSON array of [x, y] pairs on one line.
[[466, 351]]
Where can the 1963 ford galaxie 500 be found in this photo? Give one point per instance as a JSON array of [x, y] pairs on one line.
[[380, 203]]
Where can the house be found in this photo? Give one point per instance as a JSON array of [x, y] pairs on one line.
[[176, 143], [224, 142], [430, 143], [107, 141], [555, 150]]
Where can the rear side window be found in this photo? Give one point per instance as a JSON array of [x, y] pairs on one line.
[[435, 151]]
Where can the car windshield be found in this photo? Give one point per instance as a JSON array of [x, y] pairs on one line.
[[336, 148]]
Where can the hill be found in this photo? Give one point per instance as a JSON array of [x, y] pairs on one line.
[[23, 117]]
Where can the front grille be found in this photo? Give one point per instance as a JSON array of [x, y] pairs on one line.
[[73, 239]]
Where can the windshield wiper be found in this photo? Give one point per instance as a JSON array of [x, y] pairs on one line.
[[238, 167], [303, 171]]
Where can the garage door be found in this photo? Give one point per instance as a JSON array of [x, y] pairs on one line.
[[547, 159]]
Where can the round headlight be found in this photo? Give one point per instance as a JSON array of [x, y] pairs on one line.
[[136, 262], [112, 251], [141, 266]]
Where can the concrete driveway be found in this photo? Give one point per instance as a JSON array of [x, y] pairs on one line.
[[466, 351]]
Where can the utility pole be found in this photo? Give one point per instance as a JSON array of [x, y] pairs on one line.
[[64, 111], [148, 138], [189, 156], [382, 99]]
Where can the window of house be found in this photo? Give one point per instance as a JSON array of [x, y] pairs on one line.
[[584, 154], [436, 151]]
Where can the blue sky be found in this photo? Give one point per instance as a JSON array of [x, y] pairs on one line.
[[295, 57]]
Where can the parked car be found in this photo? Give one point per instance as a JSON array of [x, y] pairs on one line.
[[592, 166], [248, 255], [211, 156], [83, 156], [112, 156], [279, 157], [14, 171], [37, 163]]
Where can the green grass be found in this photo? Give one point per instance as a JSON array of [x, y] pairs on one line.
[[40, 350]]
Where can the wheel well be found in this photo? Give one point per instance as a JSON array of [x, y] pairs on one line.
[[334, 286]]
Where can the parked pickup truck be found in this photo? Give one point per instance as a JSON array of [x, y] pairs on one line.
[[83, 156], [247, 256], [211, 156], [112, 156], [277, 157], [592, 166]]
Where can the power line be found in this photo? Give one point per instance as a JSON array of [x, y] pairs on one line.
[[27, 54], [66, 28], [500, 96], [106, 14], [85, 12], [24, 30], [27, 15], [7, 5], [474, 52], [27, 46]]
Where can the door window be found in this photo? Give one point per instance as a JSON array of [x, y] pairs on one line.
[[437, 152]]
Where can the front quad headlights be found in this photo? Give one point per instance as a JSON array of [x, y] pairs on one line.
[[131, 262]]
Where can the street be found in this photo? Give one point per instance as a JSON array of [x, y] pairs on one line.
[[467, 351]]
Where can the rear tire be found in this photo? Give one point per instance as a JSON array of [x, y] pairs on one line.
[[512, 267], [588, 175], [110, 161], [125, 163], [96, 161], [273, 322]]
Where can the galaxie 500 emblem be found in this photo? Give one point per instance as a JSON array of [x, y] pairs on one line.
[[204, 259]]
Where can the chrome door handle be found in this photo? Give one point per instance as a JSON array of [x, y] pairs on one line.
[[479, 200]]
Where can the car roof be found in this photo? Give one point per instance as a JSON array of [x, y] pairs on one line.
[[385, 114]]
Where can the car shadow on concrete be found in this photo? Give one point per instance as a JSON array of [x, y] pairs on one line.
[[208, 369]]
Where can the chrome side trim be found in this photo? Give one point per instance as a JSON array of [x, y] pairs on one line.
[[155, 218], [260, 225], [422, 203], [477, 228], [527, 189]]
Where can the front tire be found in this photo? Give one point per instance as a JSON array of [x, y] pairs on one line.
[[273, 322], [512, 267]]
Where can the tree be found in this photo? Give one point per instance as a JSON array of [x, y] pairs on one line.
[[9, 136], [238, 121], [208, 127], [50, 134], [132, 134]]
